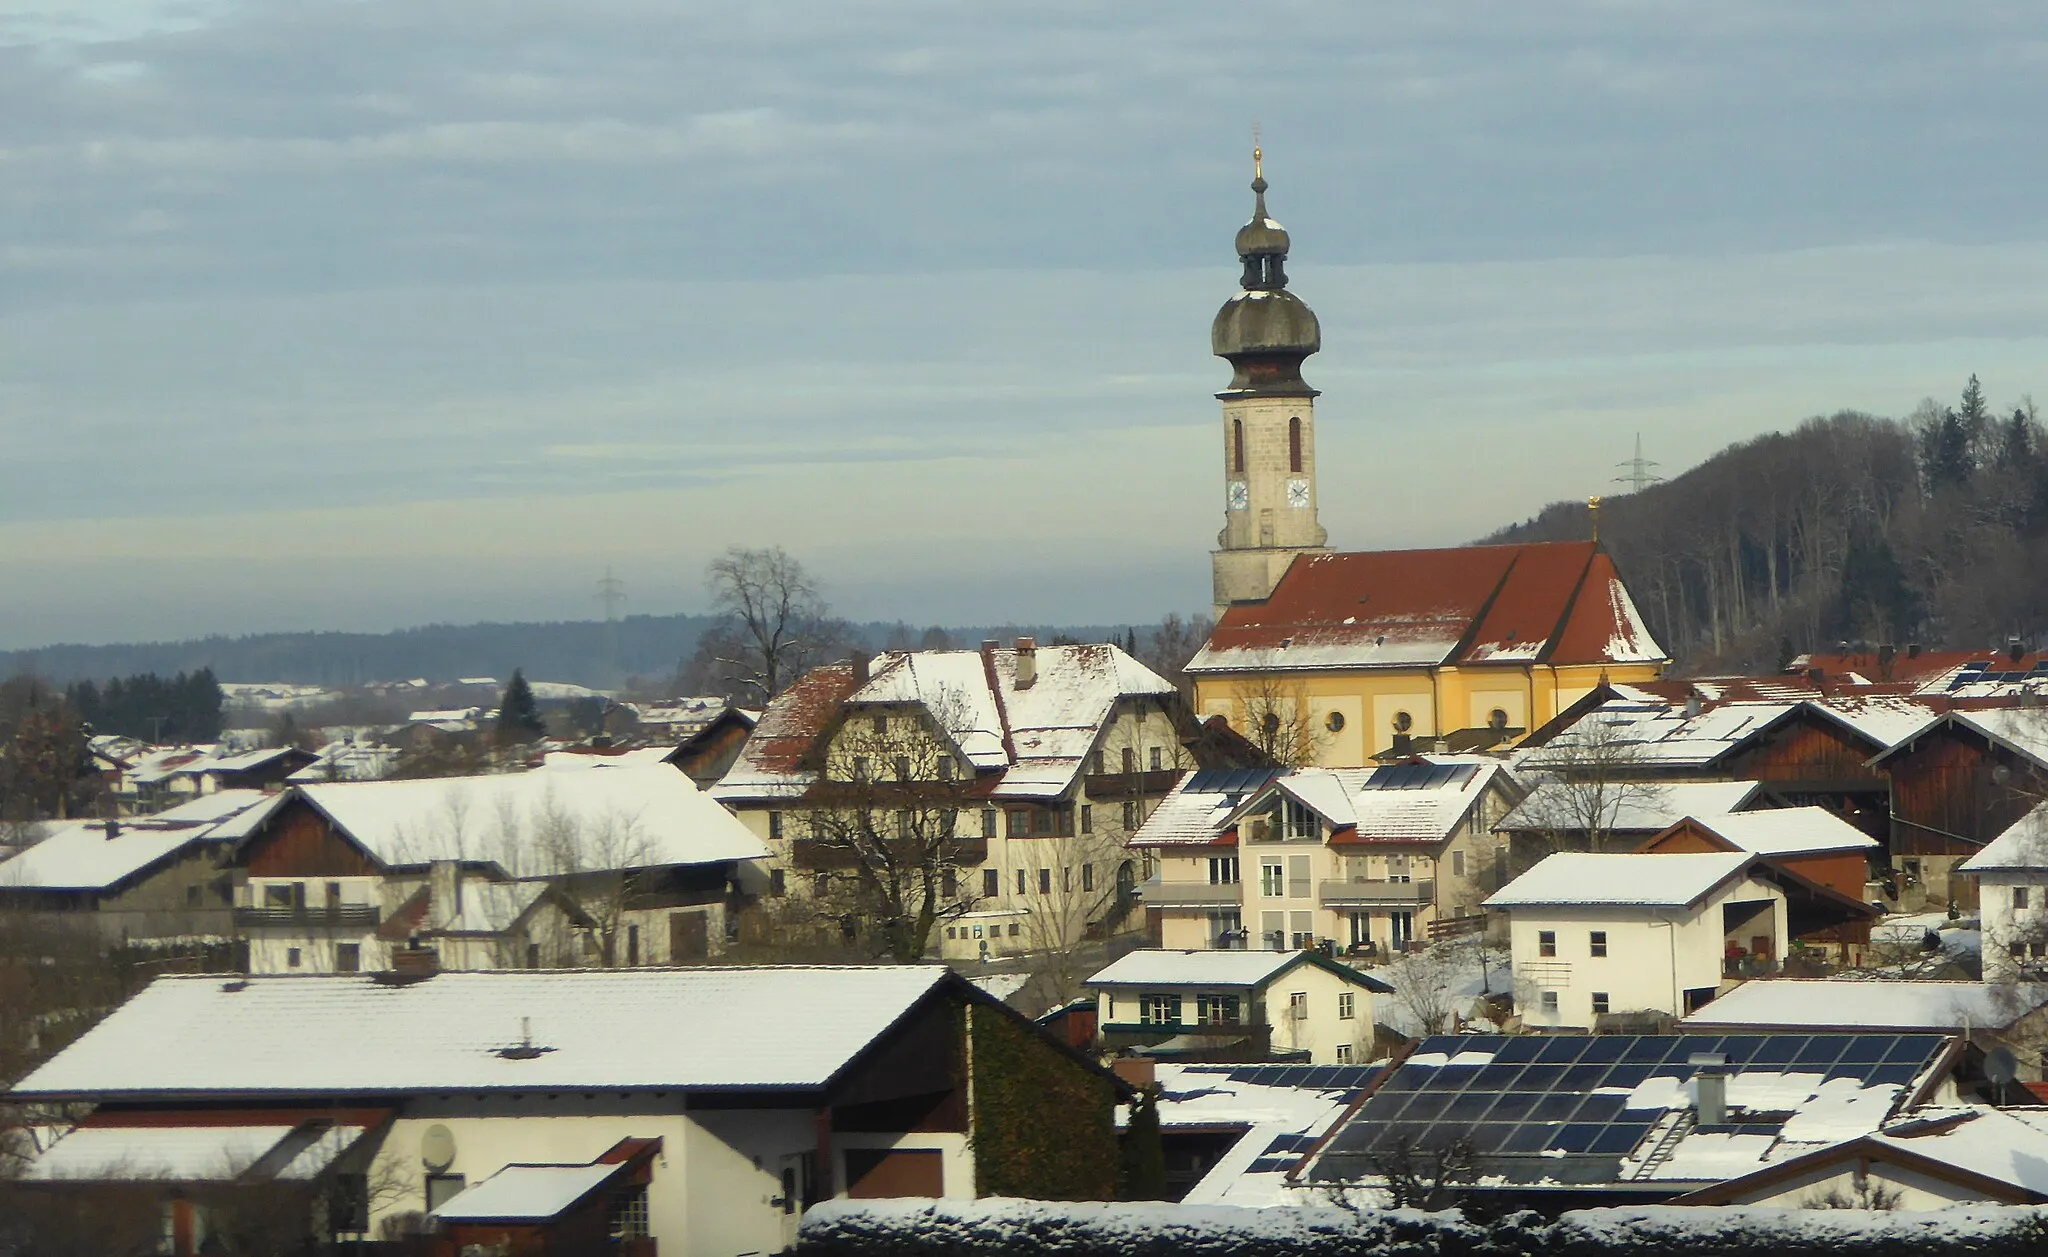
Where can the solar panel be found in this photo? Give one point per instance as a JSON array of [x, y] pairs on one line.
[[1559, 1106]]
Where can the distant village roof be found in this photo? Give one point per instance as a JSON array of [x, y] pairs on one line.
[[1199, 810], [1653, 732], [1839, 1004], [1787, 831], [100, 855], [2021, 730], [518, 1030], [631, 815], [1556, 603], [2021, 847]]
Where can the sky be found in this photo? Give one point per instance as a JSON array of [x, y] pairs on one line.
[[360, 314]]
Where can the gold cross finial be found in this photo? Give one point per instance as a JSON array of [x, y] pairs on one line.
[[1258, 155], [1593, 510]]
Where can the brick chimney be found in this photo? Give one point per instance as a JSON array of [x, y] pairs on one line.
[[1027, 662], [862, 667]]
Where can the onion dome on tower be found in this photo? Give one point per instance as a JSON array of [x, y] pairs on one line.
[[1264, 331]]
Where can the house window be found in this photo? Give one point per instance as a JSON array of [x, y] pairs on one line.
[[1216, 1010], [1457, 864], [348, 958], [903, 823], [988, 822], [952, 931], [945, 768], [1343, 1053], [1019, 823], [991, 883], [1297, 1005], [1087, 877], [1347, 1005], [860, 768], [1042, 822], [821, 883], [1045, 881], [1087, 819], [1237, 446], [277, 897], [1272, 878], [533, 955], [1599, 1003], [949, 883], [1596, 943], [442, 1188], [629, 1214], [1099, 761], [1013, 929], [1294, 444], [1334, 722], [1130, 815], [775, 826], [1130, 759], [1546, 942], [2019, 898], [1155, 758], [778, 883], [1222, 870], [903, 768], [1550, 1001], [334, 894], [1403, 722], [1297, 821], [1023, 882], [881, 725], [1159, 1010], [192, 894], [291, 957]]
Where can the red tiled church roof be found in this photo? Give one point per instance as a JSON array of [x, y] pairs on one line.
[[1558, 603]]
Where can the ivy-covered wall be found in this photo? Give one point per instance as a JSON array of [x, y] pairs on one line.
[[1044, 1127]]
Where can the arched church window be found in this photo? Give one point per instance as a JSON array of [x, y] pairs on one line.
[[1237, 446], [1294, 444]]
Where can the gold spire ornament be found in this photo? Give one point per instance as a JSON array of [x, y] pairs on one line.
[[1593, 512], [1258, 154]]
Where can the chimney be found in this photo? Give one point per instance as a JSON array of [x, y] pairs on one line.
[[1711, 1088], [113, 829], [1818, 676], [1138, 1071], [862, 667], [2013, 648], [444, 893], [1912, 650], [1027, 662], [1692, 705], [1885, 654]]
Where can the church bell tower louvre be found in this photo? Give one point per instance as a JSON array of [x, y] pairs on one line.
[[1269, 417]]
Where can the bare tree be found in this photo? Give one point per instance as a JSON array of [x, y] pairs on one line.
[[1426, 982], [606, 863], [776, 623], [1277, 721], [1073, 888], [893, 825], [1867, 1194], [1171, 644], [1593, 777], [1413, 1174]]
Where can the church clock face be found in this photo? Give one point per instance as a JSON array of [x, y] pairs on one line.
[[1297, 494], [1240, 495]]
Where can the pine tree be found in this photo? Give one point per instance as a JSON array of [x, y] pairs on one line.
[[2016, 443], [1144, 1157], [519, 717]]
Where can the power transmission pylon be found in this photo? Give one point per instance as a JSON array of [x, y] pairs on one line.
[[1639, 476]]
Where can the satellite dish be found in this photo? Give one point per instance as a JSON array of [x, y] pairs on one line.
[[437, 1148], [2001, 1066]]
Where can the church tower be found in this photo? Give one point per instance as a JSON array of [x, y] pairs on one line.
[[1269, 417]]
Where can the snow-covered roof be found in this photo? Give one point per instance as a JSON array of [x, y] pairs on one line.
[[353, 1035], [1788, 831], [625, 816], [2020, 847], [1200, 807], [526, 1193], [2023, 730], [1826, 1004], [1630, 807], [202, 1152], [1037, 737], [2008, 1145], [1167, 967], [1554, 602], [1610, 879], [1659, 736], [1280, 1119]]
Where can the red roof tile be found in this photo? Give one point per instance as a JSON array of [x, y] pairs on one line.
[[1550, 602]]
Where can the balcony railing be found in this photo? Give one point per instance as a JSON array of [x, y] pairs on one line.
[[1143, 783], [1158, 894], [348, 914], [824, 854], [1359, 893]]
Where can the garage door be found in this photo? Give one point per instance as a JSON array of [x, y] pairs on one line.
[[877, 1173]]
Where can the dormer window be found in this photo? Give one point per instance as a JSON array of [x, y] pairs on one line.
[[1298, 823]]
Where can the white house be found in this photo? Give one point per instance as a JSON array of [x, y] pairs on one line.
[[1196, 1003], [1924, 1161], [1365, 859], [361, 876], [702, 1109], [2012, 878], [1597, 933]]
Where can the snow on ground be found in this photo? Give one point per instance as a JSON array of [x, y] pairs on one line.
[[1455, 967]]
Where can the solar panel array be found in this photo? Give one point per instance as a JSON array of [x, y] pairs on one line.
[[1228, 780], [1422, 776], [1568, 1096], [1284, 1150]]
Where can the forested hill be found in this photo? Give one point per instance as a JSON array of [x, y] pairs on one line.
[[1930, 529]]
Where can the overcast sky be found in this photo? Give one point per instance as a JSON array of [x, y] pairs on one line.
[[377, 313]]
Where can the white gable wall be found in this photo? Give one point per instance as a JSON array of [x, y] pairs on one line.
[[2007, 927], [1916, 1191]]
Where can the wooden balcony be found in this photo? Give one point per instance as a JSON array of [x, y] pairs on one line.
[[354, 916], [1365, 894], [813, 855], [1158, 894]]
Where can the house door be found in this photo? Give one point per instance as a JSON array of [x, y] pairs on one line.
[[689, 936], [795, 1195], [1400, 929]]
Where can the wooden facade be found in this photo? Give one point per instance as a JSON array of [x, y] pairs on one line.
[[299, 842], [1844, 872], [1807, 760], [1953, 790]]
